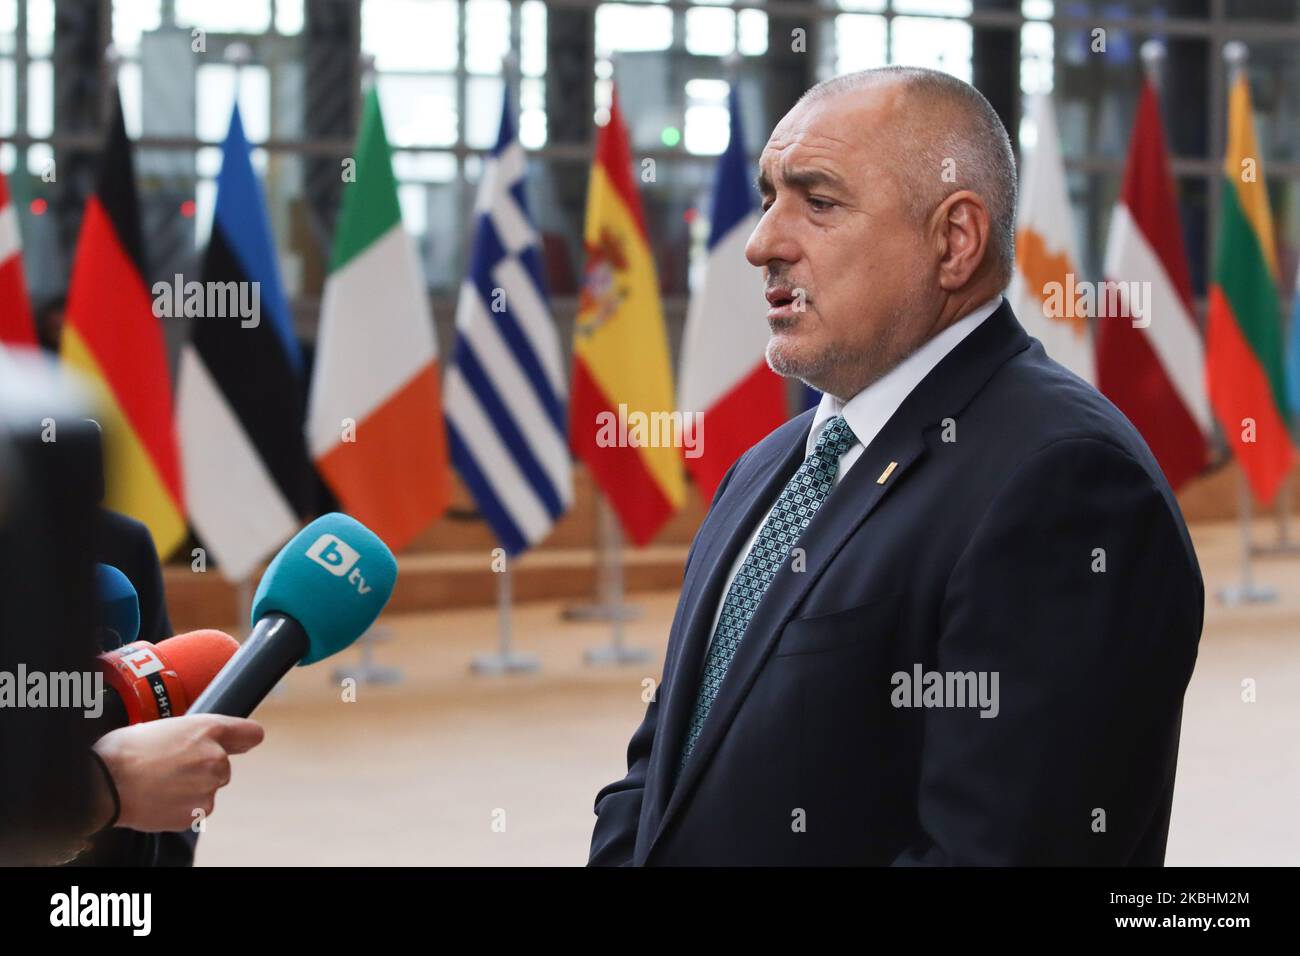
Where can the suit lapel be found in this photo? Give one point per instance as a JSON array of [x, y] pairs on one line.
[[736, 515], [836, 520], [897, 450]]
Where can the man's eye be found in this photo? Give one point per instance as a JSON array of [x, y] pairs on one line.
[[766, 205], [820, 205]]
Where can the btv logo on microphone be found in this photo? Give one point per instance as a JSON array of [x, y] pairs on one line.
[[335, 555]]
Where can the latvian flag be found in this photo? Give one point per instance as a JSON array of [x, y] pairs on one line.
[[113, 338], [724, 375], [240, 391], [1152, 371], [16, 327], [505, 391], [621, 368], [374, 421], [1244, 366]]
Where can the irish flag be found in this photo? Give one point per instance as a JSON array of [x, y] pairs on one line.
[[112, 337], [374, 422], [622, 384], [1244, 366]]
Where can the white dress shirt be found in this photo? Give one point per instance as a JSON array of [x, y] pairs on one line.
[[868, 411]]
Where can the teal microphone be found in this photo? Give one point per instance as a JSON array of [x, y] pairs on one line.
[[319, 594]]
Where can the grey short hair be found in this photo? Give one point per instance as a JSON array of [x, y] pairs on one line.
[[947, 119]]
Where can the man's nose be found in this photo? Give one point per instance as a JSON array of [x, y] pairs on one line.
[[770, 242]]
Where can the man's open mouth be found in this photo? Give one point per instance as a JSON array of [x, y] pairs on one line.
[[783, 304]]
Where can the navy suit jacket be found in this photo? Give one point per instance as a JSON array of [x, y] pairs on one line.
[[1025, 530]]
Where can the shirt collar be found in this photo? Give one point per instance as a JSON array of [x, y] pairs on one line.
[[869, 410]]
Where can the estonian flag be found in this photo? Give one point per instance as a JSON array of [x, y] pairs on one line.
[[241, 395]]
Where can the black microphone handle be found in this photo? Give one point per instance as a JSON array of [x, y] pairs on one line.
[[277, 643]]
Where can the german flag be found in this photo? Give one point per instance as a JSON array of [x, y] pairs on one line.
[[622, 375], [1244, 370], [112, 337]]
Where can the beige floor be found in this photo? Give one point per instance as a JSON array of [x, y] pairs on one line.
[[450, 768]]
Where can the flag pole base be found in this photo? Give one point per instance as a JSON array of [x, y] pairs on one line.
[[369, 674], [610, 606], [506, 660], [367, 670], [601, 612], [1247, 592], [1275, 550], [506, 663], [616, 654]]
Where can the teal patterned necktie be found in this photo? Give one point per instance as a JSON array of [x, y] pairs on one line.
[[794, 509]]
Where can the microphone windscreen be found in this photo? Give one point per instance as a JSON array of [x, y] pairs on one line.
[[196, 656], [117, 605], [333, 578]]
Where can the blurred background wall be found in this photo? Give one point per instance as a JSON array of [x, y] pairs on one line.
[[440, 72]]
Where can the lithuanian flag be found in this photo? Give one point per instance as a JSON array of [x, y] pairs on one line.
[[622, 376], [1244, 368], [112, 337]]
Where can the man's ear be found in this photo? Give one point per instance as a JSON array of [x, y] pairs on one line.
[[962, 233]]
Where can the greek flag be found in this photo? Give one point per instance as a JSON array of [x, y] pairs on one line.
[[505, 392]]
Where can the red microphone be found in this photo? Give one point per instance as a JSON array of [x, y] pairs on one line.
[[152, 681]]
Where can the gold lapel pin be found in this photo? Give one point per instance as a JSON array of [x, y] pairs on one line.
[[884, 475]]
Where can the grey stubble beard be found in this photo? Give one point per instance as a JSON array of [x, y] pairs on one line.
[[842, 375]]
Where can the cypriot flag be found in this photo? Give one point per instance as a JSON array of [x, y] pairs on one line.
[[1047, 260]]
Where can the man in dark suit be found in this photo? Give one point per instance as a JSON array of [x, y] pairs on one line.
[[947, 617]]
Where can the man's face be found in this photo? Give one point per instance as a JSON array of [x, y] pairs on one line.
[[844, 259]]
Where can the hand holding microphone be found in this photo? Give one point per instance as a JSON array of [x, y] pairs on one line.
[[167, 769], [319, 594], [164, 770]]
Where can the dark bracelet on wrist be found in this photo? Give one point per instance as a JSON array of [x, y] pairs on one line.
[[112, 790]]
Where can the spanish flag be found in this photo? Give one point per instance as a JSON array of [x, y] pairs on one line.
[[1244, 368], [622, 377], [113, 338]]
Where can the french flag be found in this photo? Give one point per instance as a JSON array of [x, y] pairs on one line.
[[724, 375]]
